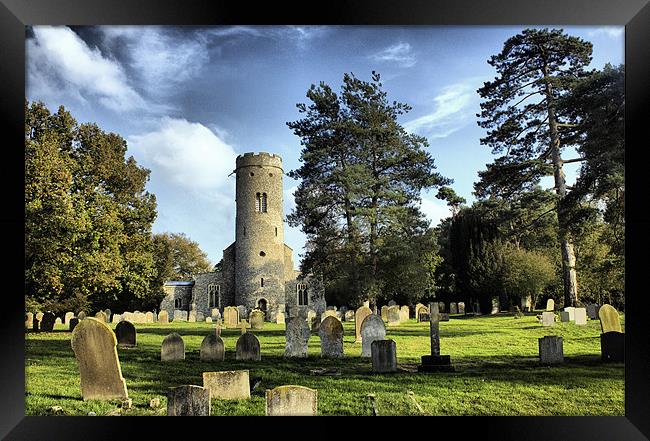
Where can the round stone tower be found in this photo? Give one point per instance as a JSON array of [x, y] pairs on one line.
[[259, 232]]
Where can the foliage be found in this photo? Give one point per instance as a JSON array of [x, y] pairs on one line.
[[526, 273]]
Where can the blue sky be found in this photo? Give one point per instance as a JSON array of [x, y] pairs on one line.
[[188, 100]]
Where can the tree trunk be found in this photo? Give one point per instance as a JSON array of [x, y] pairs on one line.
[[568, 256]]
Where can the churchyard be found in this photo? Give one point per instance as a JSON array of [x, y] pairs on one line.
[[495, 358]]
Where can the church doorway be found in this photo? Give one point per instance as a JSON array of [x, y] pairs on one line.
[[262, 305]]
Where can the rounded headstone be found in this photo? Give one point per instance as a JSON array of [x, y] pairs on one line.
[[125, 334], [47, 323], [212, 348], [359, 316], [331, 338], [609, 319], [256, 319], [248, 347], [163, 317], [172, 348], [372, 329], [101, 316]]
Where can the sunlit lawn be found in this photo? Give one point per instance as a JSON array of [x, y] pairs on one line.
[[495, 357]]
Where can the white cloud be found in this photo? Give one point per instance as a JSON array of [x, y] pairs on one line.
[[454, 107], [187, 155], [399, 53], [434, 209], [61, 64], [608, 31]]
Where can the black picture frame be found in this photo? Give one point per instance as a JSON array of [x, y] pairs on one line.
[[634, 14]]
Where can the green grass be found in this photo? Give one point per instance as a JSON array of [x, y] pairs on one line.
[[495, 357]]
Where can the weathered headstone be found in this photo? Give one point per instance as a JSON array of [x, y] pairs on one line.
[[280, 318], [551, 349], [609, 319], [248, 348], [67, 317], [125, 334], [208, 319], [228, 385], [47, 323], [172, 348], [404, 313], [256, 319], [29, 320], [441, 307], [384, 356], [384, 313], [548, 318], [360, 316], [461, 307], [435, 361], [163, 317], [419, 310], [243, 311], [565, 317], [74, 321], [82, 315], [328, 313], [495, 305], [349, 316], [393, 315], [188, 400], [297, 338], [550, 305], [148, 317], [212, 349], [200, 317], [331, 338], [372, 329], [231, 317], [453, 308], [592, 311], [580, 316], [191, 318], [94, 346], [101, 316], [180, 315], [291, 401]]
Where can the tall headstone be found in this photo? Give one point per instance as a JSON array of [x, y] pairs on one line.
[[551, 349], [212, 348], [243, 311], [29, 320], [453, 308], [94, 346], [67, 317], [393, 315], [228, 385], [291, 401], [384, 313], [592, 311], [461, 307], [280, 318], [384, 356], [125, 334], [107, 313], [404, 313], [172, 348], [231, 317], [435, 361], [550, 305], [331, 338], [360, 316], [191, 317], [441, 307], [148, 317], [256, 319], [47, 323], [188, 400], [495, 305], [580, 315], [163, 317], [248, 348], [297, 338], [372, 329], [609, 319]]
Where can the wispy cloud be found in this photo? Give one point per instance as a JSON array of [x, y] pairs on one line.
[[400, 53], [453, 108], [62, 64], [434, 209], [608, 31]]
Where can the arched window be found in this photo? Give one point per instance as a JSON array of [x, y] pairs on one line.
[[258, 202], [263, 202], [301, 289], [214, 296], [178, 303]]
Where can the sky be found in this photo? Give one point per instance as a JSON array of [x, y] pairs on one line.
[[188, 100]]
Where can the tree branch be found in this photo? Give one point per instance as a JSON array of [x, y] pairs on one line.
[[569, 161]]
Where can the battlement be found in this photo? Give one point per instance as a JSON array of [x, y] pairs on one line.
[[252, 159]]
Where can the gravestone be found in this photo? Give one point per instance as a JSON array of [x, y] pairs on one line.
[[256, 319], [392, 303], [419, 311], [231, 317], [495, 305], [592, 311], [191, 317], [67, 317], [101, 316], [461, 307], [441, 307], [116, 318], [526, 303], [208, 319], [393, 315], [180, 316], [228, 385], [435, 362], [331, 338], [548, 318], [155, 317], [172, 348], [280, 318], [384, 356], [551, 349], [94, 346], [580, 316], [82, 315], [550, 305], [212, 349], [404, 313], [248, 348], [243, 311], [366, 303], [565, 317], [609, 319], [188, 400], [315, 323], [74, 321], [291, 400], [444, 317], [331, 308], [36, 325], [384, 313], [244, 325], [148, 317], [58, 321], [215, 314], [107, 313], [47, 323], [328, 313], [29, 320], [612, 346], [571, 310], [360, 316], [125, 334], [453, 308], [349, 316], [163, 317], [39, 316], [372, 329], [200, 317], [297, 338]]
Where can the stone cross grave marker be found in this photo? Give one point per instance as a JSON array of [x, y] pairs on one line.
[[188, 400], [291, 401], [435, 361], [248, 348], [331, 338], [94, 346], [172, 348], [297, 338], [372, 329], [360, 316]]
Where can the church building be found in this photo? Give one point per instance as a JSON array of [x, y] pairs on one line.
[[258, 268]]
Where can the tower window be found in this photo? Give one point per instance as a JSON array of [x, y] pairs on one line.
[[260, 202], [252, 174], [262, 282], [263, 202], [276, 231], [214, 296], [262, 253], [301, 289]]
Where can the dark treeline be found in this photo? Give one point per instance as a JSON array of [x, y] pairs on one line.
[[88, 219]]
